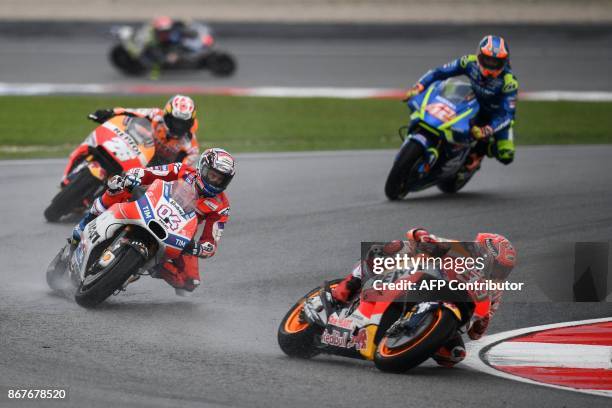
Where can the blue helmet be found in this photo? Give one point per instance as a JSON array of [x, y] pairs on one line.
[[493, 55], [216, 169]]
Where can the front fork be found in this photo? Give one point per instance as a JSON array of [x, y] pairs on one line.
[[431, 152]]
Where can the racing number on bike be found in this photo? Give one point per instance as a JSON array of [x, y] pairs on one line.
[[441, 111], [172, 220]]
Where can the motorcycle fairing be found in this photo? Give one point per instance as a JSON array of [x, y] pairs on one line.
[[442, 121], [172, 234]]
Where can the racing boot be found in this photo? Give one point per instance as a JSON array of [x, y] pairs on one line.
[[96, 209], [175, 273], [451, 353]]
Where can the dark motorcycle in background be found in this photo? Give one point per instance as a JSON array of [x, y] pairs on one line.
[[437, 141], [135, 54]]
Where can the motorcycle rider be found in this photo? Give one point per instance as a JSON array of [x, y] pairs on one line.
[[215, 170], [165, 38], [174, 130], [495, 246], [496, 90]]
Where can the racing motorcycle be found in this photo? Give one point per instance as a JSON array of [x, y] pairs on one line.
[[197, 51], [117, 145], [126, 241], [437, 141], [396, 329]]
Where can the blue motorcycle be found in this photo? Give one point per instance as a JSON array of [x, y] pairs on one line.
[[437, 141]]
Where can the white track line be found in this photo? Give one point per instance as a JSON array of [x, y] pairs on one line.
[[516, 353], [267, 91], [474, 360]]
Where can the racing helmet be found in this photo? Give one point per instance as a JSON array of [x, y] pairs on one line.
[[216, 169], [179, 116], [501, 253], [493, 56], [162, 23]]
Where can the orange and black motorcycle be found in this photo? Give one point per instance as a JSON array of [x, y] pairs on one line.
[[118, 145], [398, 330]]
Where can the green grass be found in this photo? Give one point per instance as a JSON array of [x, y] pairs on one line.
[[53, 124]]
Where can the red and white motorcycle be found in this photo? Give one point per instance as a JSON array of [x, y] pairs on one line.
[[127, 240]]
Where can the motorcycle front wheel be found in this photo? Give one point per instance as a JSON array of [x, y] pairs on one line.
[[399, 352], [401, 176], [221, 64], [95, 288], [71, 197], [123, 61]]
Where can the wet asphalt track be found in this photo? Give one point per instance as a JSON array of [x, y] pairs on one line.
[[541, 61], [297, 220]]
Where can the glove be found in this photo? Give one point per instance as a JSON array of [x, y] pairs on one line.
[[132, 179], [129, 181], [200, 249], [101, 115], [478, 328], [483, 132], [412, 92]]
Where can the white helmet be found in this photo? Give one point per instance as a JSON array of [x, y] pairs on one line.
[[179, 116], [216, 169]]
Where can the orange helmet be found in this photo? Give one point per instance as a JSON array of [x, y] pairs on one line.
[[493, 56], [501, 251]]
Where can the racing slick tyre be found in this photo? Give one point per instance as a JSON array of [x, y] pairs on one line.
[[399, 352], [71, 196], [221, 64], [96, 287], [122, 60], [401, 177], [298, 338]]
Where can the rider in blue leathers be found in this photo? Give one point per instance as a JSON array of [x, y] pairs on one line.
[[496, 89]]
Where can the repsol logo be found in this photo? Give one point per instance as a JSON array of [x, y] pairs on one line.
[[126, 138]]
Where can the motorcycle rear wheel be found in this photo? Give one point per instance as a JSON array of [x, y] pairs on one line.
[[71, 196], [56, 271], [434, 333], [398, 182], [297, 338], [127, 261]]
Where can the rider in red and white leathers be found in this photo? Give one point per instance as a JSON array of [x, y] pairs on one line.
[[215, 170], [174, 131], [494, 245]]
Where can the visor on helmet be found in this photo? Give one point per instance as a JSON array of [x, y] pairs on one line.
[[491, 63], [177, 128], [215, 178]]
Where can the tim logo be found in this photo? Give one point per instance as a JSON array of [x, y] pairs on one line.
[[147, 212]]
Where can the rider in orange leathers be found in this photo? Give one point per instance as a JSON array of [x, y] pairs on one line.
[[495, 246], [174, 132]]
